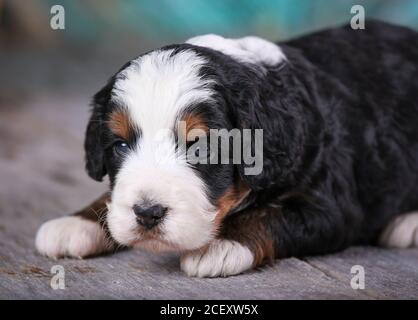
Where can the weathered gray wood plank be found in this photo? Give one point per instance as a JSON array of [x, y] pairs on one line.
[[141, 275], [388, 273]]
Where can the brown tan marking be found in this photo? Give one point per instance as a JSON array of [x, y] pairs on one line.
[[120, 124], [249, 230], [194, 121], [96, 211], [259, 242], [230, 199]]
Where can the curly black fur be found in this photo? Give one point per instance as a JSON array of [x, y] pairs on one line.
[[340, 122]]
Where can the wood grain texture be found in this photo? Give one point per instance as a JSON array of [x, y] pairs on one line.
[[42, 177]]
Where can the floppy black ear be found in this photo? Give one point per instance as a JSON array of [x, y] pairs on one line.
[[274, 106], [93, 144]]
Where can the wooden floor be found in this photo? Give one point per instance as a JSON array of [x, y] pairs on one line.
[[42, 177]]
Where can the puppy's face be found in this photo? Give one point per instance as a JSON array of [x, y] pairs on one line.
[[142, 133], [159, 199]]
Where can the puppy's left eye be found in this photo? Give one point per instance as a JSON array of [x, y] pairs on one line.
[[121, 147], [197, 152]]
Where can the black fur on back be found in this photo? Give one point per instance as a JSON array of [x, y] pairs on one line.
[[340, 121]]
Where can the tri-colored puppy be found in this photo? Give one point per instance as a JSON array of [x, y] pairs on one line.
[[339, 114]]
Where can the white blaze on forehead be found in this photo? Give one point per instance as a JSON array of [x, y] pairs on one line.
[[248, 49], [157, 87]]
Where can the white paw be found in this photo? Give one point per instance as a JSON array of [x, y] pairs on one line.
[[222, 258], [402, 232], [71, 237]]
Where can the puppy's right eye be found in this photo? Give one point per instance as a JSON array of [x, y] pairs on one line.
[[121, 148]]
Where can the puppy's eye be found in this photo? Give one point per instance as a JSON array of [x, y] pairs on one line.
[[197, 152], [200, 153], [120, 147]]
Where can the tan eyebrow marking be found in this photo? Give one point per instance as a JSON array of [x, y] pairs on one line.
[[120, 124], [194, 121]]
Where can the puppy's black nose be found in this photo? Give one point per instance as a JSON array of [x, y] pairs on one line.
[[149, 216]]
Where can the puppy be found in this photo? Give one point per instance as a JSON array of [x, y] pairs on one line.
[[338, 110]]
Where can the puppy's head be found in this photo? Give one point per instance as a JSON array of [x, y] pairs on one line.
[[145, 124]]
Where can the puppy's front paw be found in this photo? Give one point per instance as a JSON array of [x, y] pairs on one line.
[[402, 232], [221, 258], [71, 237]]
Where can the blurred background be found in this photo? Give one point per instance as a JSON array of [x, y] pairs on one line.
[[47, 77], [101, 35]]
